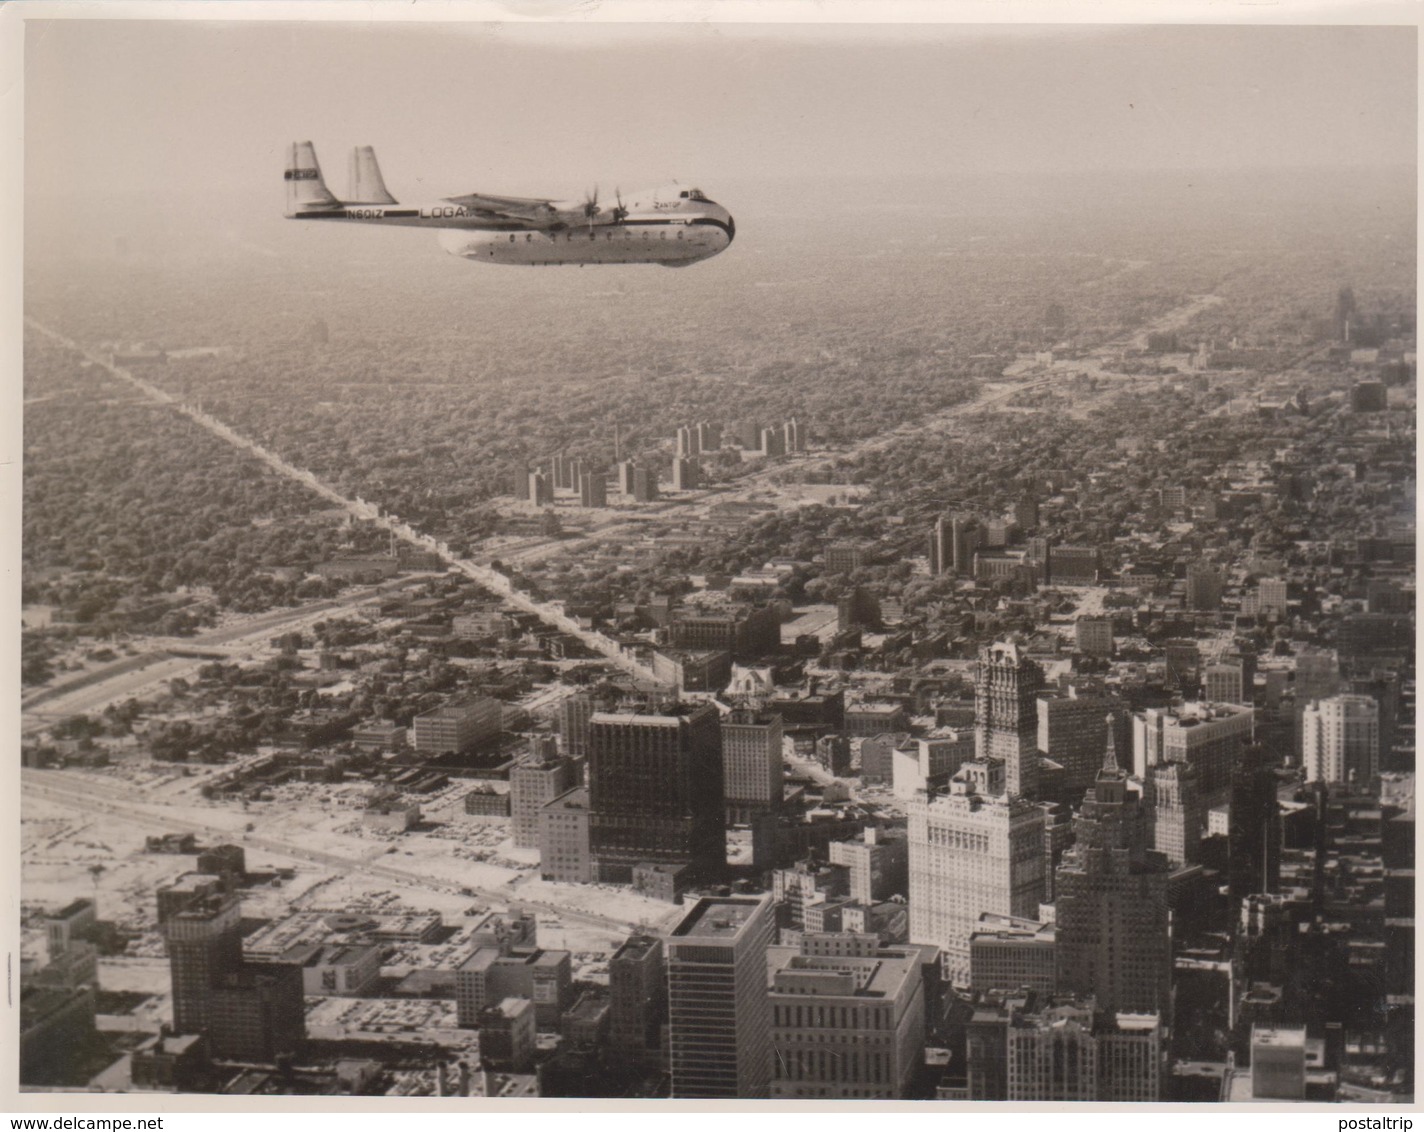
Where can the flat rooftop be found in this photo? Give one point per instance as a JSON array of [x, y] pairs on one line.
[[719, 918], [575, 799], [1283, 1037]]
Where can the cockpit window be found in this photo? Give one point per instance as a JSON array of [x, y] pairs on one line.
[[695, 194]]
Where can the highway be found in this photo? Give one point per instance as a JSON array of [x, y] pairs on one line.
[[548, 612]]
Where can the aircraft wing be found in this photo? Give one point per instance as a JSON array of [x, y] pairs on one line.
[[508, 208]]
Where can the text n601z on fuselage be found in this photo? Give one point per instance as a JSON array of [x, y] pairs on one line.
[[671, 225]]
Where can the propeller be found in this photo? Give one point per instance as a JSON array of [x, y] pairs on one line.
[[590, 207], [620, 213]]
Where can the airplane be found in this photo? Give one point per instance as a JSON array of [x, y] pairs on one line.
[[671, 225]]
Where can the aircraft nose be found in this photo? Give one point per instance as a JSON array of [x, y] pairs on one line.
[[731, 229]]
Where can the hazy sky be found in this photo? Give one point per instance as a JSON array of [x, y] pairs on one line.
[[184, 108]]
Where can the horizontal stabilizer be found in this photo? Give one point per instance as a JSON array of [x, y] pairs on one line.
[[365, 182]]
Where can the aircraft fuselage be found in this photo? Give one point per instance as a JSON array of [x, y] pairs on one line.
[[671, 237], [673, 225]]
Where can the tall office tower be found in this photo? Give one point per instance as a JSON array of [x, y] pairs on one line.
[[791, 431], [645, 485], [1253, 833], [718, 1018], [878, 864], [574, 716], [1340, 740], [534, 782], [1203, 589], [972, 850], [965, 538], [1114, 926], [773, 442], [70, 926], [1036, 555], [1094, 635], [1229, 681], [1024, 514], [684, 475], [752, 777], [1317, 677], [655, 791], [847, 1019], [520, 478], [1271, 594], [1072, 729], [1175, 817], [637, 988], [627, 473], [709, 437], [541, 489], [1208, 737], [1006, 687], [996, 534], [688, 443], [941, 547], [201, 925], [256, 1013], [1384, 687], [593, 489], [1069, 1052]]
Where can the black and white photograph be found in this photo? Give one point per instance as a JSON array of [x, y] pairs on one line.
[[787, 553]]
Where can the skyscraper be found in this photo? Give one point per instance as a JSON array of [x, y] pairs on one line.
[[1203, 589], [655, 791], [1114, 931], [752, 779], [1340, 740], [718, 1016], [689, 442], [574, 715], [201, 924], [1208, 737], [637, 986], [1175, 816], [1229, 681], [965, 538], [1006, 687], [1253, 827], [972, 850], [534, 782], [1068, 1052], [645, 485], [593, 489], [941, 547], [684, 474], [1072, 729]]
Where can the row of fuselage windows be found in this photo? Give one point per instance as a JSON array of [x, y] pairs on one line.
[[569, 236]]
